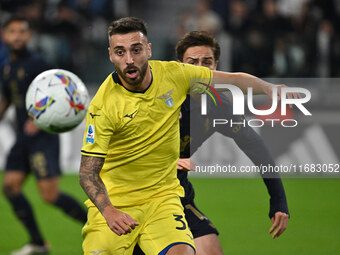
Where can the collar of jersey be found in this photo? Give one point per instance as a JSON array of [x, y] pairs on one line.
[[117, 80]]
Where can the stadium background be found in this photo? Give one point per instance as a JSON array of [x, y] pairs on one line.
[[296, 40]]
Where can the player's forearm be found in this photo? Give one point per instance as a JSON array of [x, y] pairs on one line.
[[278, 200], [91, 182], [243, 81]]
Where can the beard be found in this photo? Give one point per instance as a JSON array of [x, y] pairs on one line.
[[141, 72]]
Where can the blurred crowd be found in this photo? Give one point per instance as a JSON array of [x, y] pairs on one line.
[[285, 38], [68, 33]]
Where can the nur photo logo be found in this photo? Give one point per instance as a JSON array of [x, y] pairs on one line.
[[238, 103]]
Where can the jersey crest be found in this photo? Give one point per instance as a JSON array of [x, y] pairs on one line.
[[168, 99]]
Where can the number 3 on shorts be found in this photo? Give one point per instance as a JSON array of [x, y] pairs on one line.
[[179, 218]]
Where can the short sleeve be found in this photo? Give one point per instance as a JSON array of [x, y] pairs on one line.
[[198, 78], [98, 132]]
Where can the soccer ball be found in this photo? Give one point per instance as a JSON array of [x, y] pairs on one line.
[[57, 100]]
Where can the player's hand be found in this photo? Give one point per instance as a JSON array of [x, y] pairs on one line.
[[280, 221], [185, 164], [269, 92], [30, 128], [119, 222]]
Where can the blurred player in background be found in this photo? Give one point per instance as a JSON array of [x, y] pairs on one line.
[[131, 147], [34, 150], [201, 49]]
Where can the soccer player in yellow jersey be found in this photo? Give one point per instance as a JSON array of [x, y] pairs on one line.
[[131, 147]]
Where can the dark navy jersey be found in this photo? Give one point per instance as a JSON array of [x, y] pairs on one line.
[[38, 153], [184, 121], [16, 75], [244, 136]]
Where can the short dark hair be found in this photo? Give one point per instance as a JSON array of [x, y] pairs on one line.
[[11, 19], [127, 25], [197, 38]]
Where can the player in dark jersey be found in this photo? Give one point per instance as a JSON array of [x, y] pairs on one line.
[[199, 48], [34, 150]]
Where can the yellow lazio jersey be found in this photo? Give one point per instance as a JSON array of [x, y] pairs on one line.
[[138, 133]]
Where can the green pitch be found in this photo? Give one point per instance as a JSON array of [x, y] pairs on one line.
[[238, 208], [61, 232]]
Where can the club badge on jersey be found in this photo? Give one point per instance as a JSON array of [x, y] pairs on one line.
[[168, 99]]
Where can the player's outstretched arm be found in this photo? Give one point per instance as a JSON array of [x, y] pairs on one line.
[[253, 146], [245, 81], [89, 179], [256, 150]]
